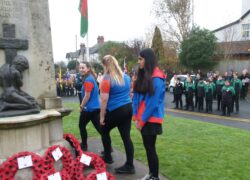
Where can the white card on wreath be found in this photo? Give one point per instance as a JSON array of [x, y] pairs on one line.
[[24, 162], [85, 159], [55, 176], [102, 176], [57, 154]]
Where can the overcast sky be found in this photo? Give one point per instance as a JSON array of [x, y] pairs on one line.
[[122, 20]]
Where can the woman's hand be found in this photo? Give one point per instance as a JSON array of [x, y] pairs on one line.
[[102, 121], [81, 108], [138, 126]]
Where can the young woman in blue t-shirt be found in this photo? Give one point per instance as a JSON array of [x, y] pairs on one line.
[[116, 111], [90, 105]]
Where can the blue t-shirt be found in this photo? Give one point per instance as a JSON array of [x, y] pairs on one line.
[[119, 95], [90, 85]]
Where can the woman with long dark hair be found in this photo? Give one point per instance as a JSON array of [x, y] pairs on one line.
[[148, 106], [90, 105]]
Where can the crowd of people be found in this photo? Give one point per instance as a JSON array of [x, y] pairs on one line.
[[108, 102], [114, 100], [227, 89]]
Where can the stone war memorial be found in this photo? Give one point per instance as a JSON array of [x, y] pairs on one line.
[[30, 111]]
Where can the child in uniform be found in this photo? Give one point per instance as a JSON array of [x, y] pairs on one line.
[[227, 98]]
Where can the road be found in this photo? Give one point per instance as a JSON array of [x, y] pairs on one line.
[[241, 120]]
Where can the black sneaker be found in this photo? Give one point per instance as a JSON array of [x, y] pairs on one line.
[[154, 178], [107, 159], [125, 169], [84, 147]]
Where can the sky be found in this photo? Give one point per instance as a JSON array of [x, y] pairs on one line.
[[123, 20]]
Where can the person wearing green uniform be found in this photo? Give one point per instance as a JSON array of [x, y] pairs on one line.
[[219, 84], [237, 84], [227, 98]]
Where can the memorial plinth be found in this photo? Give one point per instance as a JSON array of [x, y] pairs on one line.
[[34, 133]]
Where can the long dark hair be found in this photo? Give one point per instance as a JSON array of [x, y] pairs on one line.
[[144, 83]]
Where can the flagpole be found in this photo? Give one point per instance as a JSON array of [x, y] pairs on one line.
[[87, 47]]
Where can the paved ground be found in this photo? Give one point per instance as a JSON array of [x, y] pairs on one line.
[[95, 145]]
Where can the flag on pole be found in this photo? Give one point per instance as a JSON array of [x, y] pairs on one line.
[[83, 8], [125, 66]]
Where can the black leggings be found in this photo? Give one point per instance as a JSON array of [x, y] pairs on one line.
[[84, 119], [120, 118], [153, 162]]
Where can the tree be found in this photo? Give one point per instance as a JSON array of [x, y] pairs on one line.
[[198, 49], [136, 45], [60, 65], [120, 51], [157, 46], [175, 18], [97, 67], [72, 64]]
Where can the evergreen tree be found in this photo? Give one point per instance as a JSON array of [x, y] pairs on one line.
[[198, 49], [157, 46]]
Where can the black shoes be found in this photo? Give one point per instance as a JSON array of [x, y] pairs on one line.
[[125, 169], [84, 147], [107, 159], [149, 177]]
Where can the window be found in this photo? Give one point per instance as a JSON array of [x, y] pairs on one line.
[[246, 30]]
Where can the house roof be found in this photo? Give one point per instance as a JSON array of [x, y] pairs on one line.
[[235, 22], [235, 47], [92, 50]]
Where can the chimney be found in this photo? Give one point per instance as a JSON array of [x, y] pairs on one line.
[[82, 46], [100, 40]]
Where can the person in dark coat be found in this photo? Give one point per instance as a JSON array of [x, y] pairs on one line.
[[227, 98], [178, 94]]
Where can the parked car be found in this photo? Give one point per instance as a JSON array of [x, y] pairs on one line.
[[182, 78]]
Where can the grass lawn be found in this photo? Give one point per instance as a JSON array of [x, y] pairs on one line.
[[187, 149]]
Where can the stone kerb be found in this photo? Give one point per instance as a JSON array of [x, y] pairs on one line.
[[30, 132]]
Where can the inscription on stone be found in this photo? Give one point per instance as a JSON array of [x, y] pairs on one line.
[[11, 8]]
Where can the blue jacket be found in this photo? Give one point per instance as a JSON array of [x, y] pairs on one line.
[[150, 108], [90, 85]]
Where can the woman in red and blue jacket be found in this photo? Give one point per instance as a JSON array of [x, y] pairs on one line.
[[148, 106], [90, 104], [116, 111]]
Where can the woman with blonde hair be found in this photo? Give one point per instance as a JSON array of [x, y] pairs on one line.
[[116, 111]]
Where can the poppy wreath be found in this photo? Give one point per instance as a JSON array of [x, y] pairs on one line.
[[74, 143], [63, 175], [10, 167], [78, 168], [93, 175], [66, 161], [1, 172], [96, 162]]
